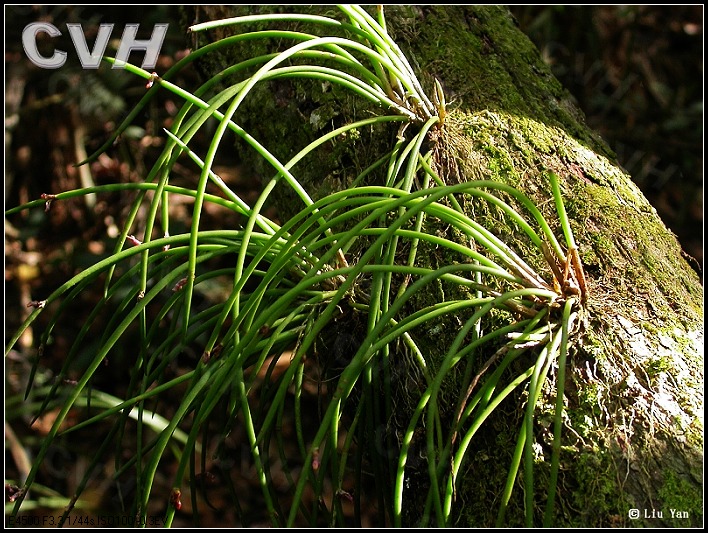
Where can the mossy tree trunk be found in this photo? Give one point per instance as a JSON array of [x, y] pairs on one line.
[[634, 392]]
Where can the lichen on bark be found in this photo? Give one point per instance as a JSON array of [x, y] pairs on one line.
[[634, 393]]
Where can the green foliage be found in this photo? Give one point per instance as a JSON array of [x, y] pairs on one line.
[[595, 474], [294, 288], [682, 505]]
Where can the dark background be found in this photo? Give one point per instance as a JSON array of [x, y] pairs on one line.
[[636, 72]]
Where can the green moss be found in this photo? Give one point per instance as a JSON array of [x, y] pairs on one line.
[[589, 402], [598, 498], [538, 137], [682, 503], [499, 162], [657, 366], [484, 476]]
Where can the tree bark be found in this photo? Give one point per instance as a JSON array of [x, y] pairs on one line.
[[634, 392]]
